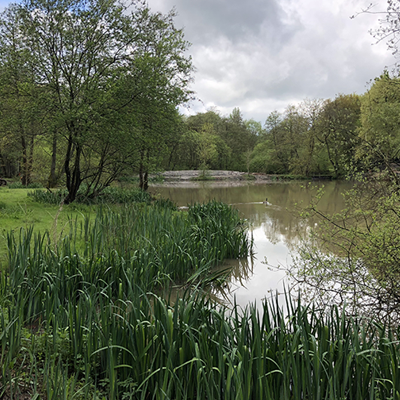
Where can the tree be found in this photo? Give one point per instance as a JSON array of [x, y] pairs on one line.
[[21, 115], [199, 125], [207, 148], [336, 129], [96, 59], [389, 29], [284, 138], [358, 260], [360, 264], [379, 132], [239, 137]]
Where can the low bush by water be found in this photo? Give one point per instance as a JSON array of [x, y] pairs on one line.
[[110, 195]]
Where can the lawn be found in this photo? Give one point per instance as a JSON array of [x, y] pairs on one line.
[[18, 210]]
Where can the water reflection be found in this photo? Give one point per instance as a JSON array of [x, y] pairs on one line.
[[277, 229]]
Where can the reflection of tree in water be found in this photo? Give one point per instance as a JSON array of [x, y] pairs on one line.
[[238, 272], [281, 220]]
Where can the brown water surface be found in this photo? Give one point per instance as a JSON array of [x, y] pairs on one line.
[[277, 227]]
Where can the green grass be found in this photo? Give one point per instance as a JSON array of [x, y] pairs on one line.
[[18, 210], [22, 208]]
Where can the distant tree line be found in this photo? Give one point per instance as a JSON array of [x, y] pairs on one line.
[[332, 138]]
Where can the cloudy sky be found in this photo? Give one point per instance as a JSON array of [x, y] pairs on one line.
[[262, 55]]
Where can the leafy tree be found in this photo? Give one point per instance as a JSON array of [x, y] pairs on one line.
[[360, 264], [207, 148], [336, 129], [188, 155], [281, 144], [239, 138], [310, 162], [21, 115], [87, 54], [358, 259], [379, 132], [196, 122], [269, 155]]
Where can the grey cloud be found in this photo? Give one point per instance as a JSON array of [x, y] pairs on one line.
[[205, 21], [262, 55]]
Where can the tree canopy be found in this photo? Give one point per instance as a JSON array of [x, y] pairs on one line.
[[101, 66]]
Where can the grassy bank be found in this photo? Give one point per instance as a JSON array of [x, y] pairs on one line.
[[18, 210]]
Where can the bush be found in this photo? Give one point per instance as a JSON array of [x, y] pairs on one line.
[[108, 196], [19, 185]]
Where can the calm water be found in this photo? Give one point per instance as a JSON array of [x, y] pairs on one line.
[[277, 228]]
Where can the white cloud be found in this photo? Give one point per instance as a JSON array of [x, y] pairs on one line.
[[261, 56]]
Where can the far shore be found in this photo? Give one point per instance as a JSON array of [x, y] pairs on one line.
[[214, 175], [185, 177]]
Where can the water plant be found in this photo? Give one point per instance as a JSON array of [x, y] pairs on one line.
[[82, 318], [99, 270], [143, 347]]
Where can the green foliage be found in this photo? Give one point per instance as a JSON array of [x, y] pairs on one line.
[[314, 139], [142, 346], [379, 132], [360, 260], [215, 142], [97, 83], [143, 244], [337, 131], [110, 195], [19, 185]]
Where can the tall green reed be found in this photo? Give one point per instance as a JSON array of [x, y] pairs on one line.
[[142, 347], [139, 245], [92, 292]]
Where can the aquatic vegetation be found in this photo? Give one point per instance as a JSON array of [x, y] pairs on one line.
[[81, 318], [141, 347]]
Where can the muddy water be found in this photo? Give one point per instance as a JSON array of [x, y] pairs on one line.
[[277, 227]]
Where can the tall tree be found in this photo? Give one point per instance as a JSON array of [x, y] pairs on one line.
[[86, 53], [380, 132], [20, 113], [337, 130]]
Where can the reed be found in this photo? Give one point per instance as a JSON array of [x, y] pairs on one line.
[[139, 245], [82, 320]]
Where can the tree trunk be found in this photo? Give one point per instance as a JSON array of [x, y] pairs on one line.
[[143, 170], [73, 177], [52, 182], [25, 178]]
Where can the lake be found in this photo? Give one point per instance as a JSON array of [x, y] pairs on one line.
[[277, 227]]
